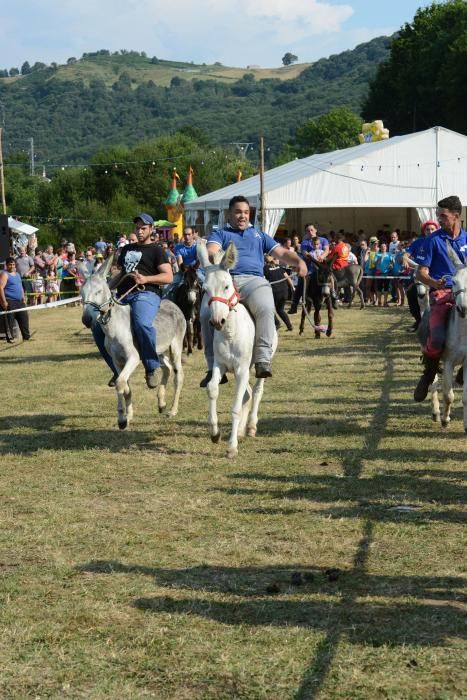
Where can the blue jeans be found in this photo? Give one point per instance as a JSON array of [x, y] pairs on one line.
[[144, 308], [99, 339]]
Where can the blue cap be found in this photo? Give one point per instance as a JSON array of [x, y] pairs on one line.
[[145, 218]]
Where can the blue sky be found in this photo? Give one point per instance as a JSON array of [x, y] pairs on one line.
[[234, 32]]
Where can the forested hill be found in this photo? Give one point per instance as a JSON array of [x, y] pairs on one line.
[[102, 99]]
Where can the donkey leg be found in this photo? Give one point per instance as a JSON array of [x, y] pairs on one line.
[[189, 336], [246, 403], [464, 395], [257, 396], [317, 319], [176, 357], [302, 323], [242, 377], [213, 393], [162, 388], [435, 409], [124, 399], [448, 394], [330, 318]]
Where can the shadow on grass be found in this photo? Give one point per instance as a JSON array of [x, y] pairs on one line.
[[380, 622], [37, 359], [47, 432]]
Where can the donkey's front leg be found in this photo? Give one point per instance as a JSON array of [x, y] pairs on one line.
[[448, 393], [213, 393], [242, 376]]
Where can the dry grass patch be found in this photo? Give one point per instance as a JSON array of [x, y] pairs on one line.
[[327, 561]]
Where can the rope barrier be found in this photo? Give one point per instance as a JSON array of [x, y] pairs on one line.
[[50, 305]]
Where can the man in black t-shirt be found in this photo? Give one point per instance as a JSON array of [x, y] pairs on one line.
[[148, 264]]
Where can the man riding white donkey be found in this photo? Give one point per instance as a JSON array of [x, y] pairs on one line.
[[145, 268], [248, 274], [248, 344], [436, 270]]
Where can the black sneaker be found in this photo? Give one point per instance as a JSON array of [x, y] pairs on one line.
[[152, 379], [263, 370], [205, 381]]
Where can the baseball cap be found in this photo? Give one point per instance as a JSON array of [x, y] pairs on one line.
[[145, 218]]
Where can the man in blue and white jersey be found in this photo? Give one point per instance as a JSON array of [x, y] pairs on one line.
[[248, 274], [435, 270]]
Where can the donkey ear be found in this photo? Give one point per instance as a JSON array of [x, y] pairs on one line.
[[202, 253], [104, 269], [230, 257], [453, 257]]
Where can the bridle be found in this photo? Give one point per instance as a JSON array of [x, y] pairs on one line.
[[104, 316], [231, 302]]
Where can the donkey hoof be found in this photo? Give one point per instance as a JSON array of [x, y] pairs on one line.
[[162, 409], [215, 438], [231, 453], [301, 333], [251, 432], [444, 424], [122, 424], [436, 417]]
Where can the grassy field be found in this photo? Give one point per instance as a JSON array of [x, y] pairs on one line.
[[140, 70], [143, 564]]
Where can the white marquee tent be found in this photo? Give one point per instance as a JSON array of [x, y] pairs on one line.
[[392, 180]]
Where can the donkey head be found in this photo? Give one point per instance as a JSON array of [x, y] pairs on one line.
[[323, 277], [95, 293], [459, 282], [219, 288]]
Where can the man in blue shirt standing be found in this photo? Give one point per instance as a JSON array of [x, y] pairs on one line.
[[248, 275], [307, 249], [435, 271]]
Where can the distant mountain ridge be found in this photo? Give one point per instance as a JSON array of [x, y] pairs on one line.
[[102, 99]]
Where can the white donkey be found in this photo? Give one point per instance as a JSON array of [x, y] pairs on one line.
[[234, 340], [98, 303], [455, 352]]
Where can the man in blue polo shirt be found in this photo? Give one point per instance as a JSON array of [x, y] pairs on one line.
[[435, 271], [248, 274]]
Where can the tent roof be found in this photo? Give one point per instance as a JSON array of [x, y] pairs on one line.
[[414, 170], [20, 227]]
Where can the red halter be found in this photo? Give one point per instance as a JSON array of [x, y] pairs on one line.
[[230, 301]]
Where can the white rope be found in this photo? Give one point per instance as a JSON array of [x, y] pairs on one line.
[[50, 305]]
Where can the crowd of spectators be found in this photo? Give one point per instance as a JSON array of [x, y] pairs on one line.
[[385, 275], [49, 274]]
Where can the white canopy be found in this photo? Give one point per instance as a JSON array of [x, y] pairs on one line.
[[20, 227], [415, 170]]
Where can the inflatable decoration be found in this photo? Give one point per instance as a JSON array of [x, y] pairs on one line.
[[174, 207], [373, 131]]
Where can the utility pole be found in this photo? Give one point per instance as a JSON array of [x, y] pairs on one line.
[[261, 182], [2, 179], [31, 153]]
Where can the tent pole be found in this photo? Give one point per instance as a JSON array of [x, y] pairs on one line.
[[261, 182], [2, 179]]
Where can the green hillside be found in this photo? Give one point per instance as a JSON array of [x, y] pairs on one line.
[[72, 111]]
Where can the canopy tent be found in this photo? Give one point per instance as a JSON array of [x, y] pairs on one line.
[[20, 227], [411, 171], [22, 235]]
